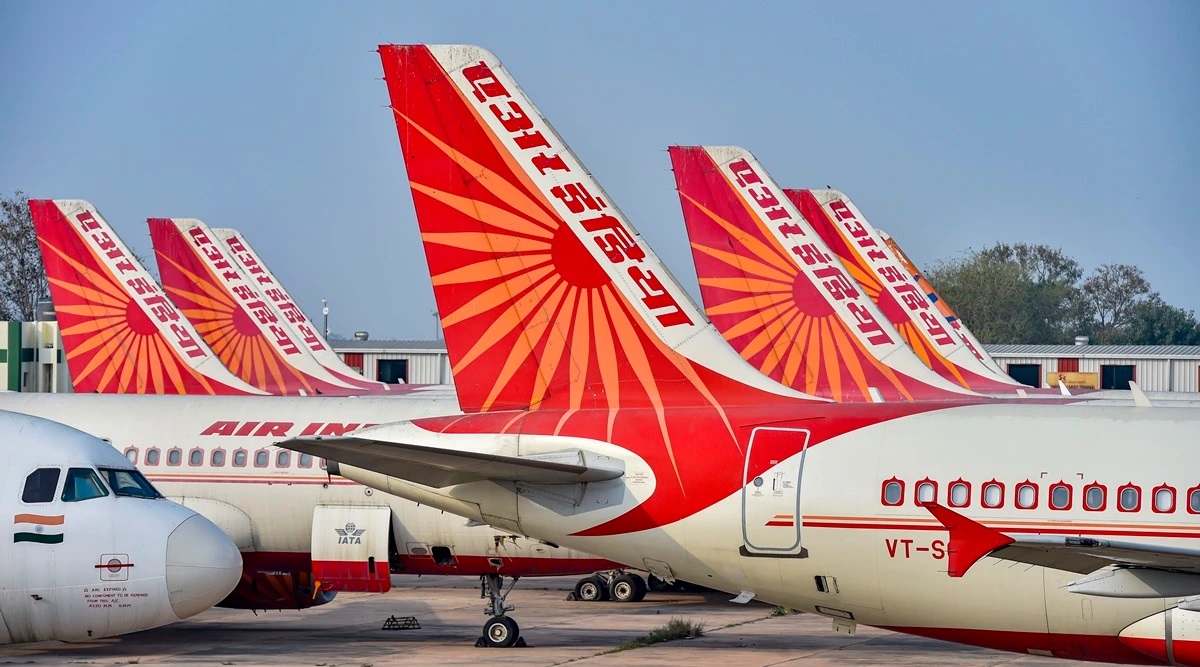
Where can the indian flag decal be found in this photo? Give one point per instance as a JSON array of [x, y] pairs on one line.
[[43, 528]]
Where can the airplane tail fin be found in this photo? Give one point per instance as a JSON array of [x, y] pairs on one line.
[[121, 333], [240, 325], [854, 241], [944, 308], [547, 295], [779, 295], [256, 270]]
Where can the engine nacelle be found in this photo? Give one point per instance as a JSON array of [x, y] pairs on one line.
[[1172, 636]]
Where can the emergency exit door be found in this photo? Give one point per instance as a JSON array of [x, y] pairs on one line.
[[350, 548], [771, 492]]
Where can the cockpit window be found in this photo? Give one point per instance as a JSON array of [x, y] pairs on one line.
[[130, 483], [40, 485], [82, 484]]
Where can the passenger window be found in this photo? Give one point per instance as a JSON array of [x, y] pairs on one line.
[[993, 494], [1095, 497], [1027, 495], [1129, 498], [893, 492], [218, 458], [82, 484], [261, 458], [1164, 499], [239, 458], [40, 486], [960, 493], [1194, 500], [283, 459], [195, 457], [1060, 496], [926, 491], [305, 461], [174, 456], [132, 455], [152, 457]]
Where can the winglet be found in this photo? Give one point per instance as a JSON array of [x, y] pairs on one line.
[[1139, 397], [1062, 388], [969, 540]]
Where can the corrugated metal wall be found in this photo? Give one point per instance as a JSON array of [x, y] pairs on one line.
[[423, 367], [1151, 374]]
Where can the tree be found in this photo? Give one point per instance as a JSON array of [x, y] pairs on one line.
[[1109, 298], [22, 276], [1012, 293], [1155, 322]]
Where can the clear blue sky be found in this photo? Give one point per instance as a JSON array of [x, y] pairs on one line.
[[952, 125]]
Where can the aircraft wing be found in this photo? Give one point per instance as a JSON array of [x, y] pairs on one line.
[[971, 541], [1085, 555], [440, 467]]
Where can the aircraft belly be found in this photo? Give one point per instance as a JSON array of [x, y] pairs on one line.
[[1070, 615]]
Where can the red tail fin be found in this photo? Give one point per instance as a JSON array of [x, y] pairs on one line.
[[120, 332], [256, 270], [843, 227], [240, 326], [944, 308], [547, 296], [776, 292]]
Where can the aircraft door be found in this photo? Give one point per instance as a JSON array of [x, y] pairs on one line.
[[771, 492], [350, 547]]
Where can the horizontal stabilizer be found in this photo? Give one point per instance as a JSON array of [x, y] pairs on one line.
[[439, 467], [971, 541]]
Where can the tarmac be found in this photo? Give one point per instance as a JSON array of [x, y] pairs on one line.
[[348, 633]]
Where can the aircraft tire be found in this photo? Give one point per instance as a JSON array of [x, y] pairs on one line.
[[591, 589], [501, 632], [627, 587]]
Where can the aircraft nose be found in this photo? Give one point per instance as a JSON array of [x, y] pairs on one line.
[[203, 566]]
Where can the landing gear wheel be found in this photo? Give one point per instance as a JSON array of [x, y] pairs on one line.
[[501, 632], [591, 589], [627, 587]]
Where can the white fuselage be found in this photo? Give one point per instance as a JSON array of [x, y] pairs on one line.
[[98, 566], [885, 564], [268, 503]]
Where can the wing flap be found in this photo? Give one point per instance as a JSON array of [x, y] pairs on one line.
[[439, 467]]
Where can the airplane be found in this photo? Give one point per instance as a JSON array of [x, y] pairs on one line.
[[943, 307], [1156, 397], [286, 560], [237, 320], [604, 413], [839, 222], [791, 309], [95, 550], [261, 277], [121, 333], [806, 317]]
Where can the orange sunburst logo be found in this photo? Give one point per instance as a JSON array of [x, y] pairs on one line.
[[114, 329], [872, 284], [532, 319], [223, 323], [765, 306]]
